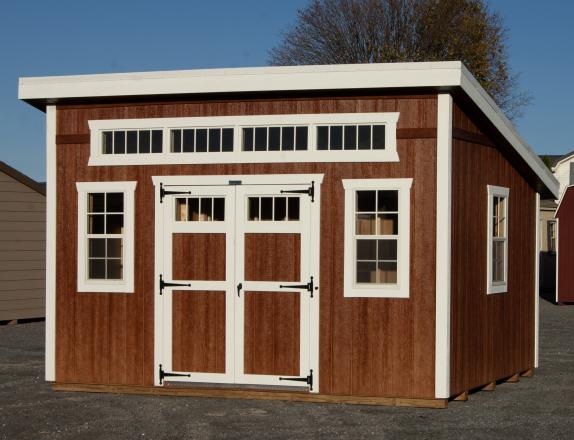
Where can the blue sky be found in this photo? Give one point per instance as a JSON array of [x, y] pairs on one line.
[[59, 37]]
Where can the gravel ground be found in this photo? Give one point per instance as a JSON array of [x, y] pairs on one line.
[[539, 407]]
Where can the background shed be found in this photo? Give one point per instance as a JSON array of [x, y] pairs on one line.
[[22, 245]]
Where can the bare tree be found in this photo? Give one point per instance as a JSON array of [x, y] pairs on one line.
[[382, 31]]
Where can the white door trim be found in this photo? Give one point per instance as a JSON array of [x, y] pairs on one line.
[[314, 263]]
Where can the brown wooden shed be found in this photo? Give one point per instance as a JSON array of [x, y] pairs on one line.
[[351, 233], [22, 245], [565, 247]]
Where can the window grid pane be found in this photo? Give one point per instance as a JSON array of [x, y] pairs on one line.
[[275, 138], [498, 239], [135, 141], [377, 236], [351, 137], [105, 227]]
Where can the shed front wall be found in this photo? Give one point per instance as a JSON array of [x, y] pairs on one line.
[[492, 336], [373, 347], [565, 215], [22, 250]]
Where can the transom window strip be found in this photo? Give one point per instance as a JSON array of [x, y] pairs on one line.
[[105, 235], [132, 141], [282, 138], [376, 235], [273, 209], [201, 140], [200, 209], [351, 137], [498, 238]]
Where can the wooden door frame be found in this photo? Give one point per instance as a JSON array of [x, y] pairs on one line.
[[226, 180]]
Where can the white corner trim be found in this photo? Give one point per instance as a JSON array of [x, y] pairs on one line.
[[312, 154], [496, 191], [443, 246], [536, 282], [401, 288], [50, 359], [126, 285]]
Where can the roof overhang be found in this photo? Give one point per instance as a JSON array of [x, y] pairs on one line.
[[448, 76]]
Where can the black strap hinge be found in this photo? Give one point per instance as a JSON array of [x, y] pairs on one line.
[[164, 374], [309, 191], [308, 380], [163, 284], [164, 192], [309, 287]]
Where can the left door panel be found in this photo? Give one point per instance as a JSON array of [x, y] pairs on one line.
[[198, 293]]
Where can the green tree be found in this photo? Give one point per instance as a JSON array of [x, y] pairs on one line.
[[386, 31]]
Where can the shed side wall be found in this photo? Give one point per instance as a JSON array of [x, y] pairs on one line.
[[566, 247], [22, 250], [492, 336], [376, 347]]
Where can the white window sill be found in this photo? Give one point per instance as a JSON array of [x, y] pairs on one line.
[[377, 291], [497, 288]]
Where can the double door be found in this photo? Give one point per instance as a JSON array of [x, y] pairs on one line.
[[235, 285]]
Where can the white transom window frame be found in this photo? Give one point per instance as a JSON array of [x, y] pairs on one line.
[[401, 288], [498, 287], [166, 157], [126, 284]]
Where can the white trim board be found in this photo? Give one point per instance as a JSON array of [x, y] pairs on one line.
[[537, 282], [443, 246], [50, 360], [287, 78]]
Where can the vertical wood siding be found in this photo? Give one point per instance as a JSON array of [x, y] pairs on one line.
[[492, 336], [368, 346], [22, 250], [566, 247]]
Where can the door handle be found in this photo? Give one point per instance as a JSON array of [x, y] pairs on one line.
[[239, 287]]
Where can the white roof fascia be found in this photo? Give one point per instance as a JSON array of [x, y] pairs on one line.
[[253, 79], [487, 105], [287, 78]]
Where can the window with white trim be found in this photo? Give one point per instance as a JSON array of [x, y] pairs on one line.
[[288, 138], [377, 237], [497, 263], [105, 236]]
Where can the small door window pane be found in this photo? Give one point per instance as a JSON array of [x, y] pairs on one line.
[[253, 209], [366, 224], [144, 141], [266, 208], [378, 137], [387, 272], [181, 210], [219, 209], [280, 209], [293, 208], [387, 250], [366, 272], [97, 269], [119, 142], [201, 140], [301, 138], [193, 209], [206, 207]]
